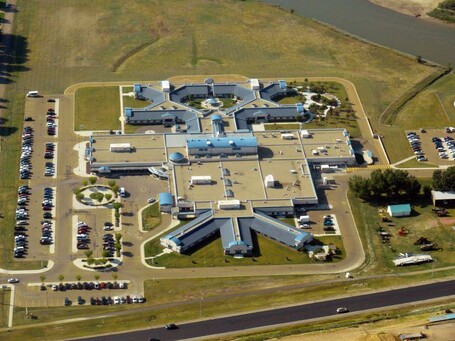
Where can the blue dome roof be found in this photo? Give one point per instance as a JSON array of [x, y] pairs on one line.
[[176, 157], [216, 118], [212, 101]]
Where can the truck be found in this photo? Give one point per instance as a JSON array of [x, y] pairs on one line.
[[304, 219], [33, 93]]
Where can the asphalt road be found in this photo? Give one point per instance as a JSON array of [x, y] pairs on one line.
[[290, 314]]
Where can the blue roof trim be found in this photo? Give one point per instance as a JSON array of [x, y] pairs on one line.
[[223, 142]]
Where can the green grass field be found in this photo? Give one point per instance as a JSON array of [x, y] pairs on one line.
[[151, 217], [432, 108], [107, 109], [134, 103]]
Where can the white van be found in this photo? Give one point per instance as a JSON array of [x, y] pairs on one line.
[[122, 192], [32, 94]]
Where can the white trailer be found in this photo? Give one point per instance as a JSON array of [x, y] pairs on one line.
[[120, 147], [304, 219], [32, 93], [201, 180], [287, 136]]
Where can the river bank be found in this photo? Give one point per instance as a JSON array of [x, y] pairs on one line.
[[415, 8]]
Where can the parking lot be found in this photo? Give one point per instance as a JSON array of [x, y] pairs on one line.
[[423, 143], [38, 166]]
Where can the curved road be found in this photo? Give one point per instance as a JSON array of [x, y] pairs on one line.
[[289, 315]]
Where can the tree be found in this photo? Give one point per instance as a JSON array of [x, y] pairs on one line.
[[61, 277], [42, 278], [80, 196], [78, 277], [105, 253], [444, 181], [360, 186], [97, 277], [92, 180], [427, 191], [118, 236], [90, 261], [88, 253], [438, 184], [115, 189], [114, 276], [84, 183], [111, 183], [108, 196], [117, 205], [99, 197]]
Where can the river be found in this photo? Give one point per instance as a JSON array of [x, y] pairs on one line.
[[431, 40]]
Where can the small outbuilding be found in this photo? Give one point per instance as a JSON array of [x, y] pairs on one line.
[[443, 199], [166, 202], [403, 210]]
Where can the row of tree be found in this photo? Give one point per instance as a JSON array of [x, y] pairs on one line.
[[390, 184], [444, 181]]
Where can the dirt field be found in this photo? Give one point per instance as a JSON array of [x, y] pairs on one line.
[[409, 7], [382, 331]]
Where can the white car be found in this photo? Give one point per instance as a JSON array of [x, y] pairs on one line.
[[151, 200], [81, 223], [116, 300], [13, 280], [342, 310]]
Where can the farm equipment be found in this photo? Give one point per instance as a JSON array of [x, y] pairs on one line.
[[402, 232], [441, 212], [427, 247], [421, 241]]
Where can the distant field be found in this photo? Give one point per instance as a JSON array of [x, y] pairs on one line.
[[178, 42]]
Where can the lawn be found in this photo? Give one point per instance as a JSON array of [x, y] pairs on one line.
[[107, 111], [131, 102], [413, 163], [151, 216]]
